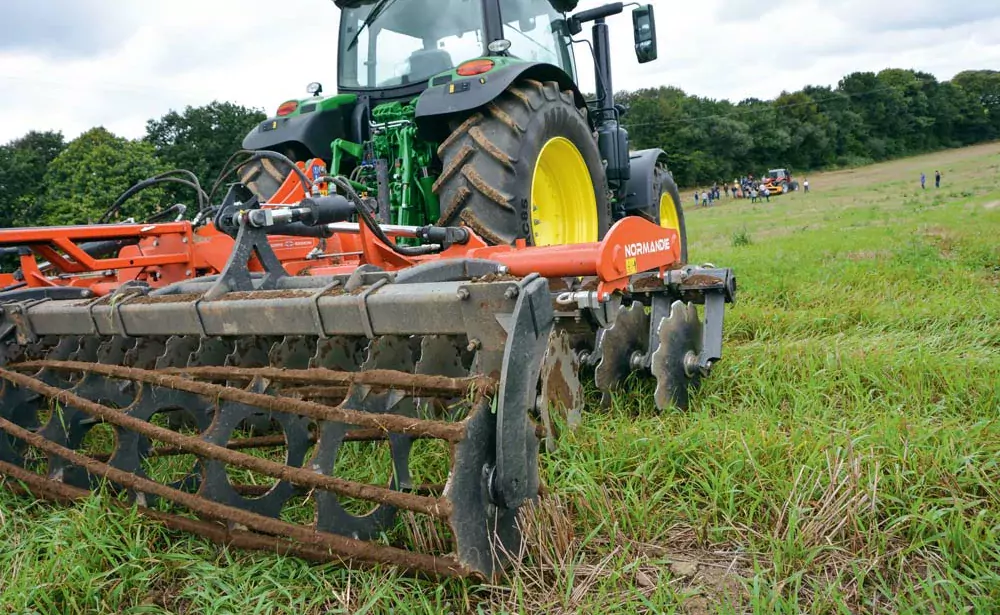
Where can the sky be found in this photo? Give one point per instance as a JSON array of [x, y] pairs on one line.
[[70, 65]]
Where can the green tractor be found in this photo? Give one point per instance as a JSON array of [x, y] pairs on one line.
[[468, 112]]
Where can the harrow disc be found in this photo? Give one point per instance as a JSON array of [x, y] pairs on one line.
[[620, 347], [560, 388], [674, 362]]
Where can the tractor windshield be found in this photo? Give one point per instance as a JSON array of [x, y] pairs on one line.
[[398, 42], [391, 43], [538, 33]]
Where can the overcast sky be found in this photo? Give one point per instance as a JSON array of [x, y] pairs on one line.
[[72, 64]]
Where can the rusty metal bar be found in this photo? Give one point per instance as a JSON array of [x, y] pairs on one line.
[[315, 392], [357, 435], [434, 507], [453, 432], [55, 491], [347, 548], [428, 386]]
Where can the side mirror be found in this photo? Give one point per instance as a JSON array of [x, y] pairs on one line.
[[644, 24]]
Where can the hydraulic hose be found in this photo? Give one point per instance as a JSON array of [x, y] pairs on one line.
[[163, 178]]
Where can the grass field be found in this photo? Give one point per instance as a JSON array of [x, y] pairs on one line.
[[844, 457]]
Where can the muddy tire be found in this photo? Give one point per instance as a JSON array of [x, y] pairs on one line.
[[489, 161], [264, 177], [664, 186]]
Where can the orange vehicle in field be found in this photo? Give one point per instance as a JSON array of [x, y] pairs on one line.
[[779, 181]]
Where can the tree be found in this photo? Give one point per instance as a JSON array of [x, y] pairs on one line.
[[984, 87], [94, 169], [201, 139], [22, 169]]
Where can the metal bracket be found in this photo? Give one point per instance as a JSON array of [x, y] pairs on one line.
[[660, 309], [711, 345], [17, 313], [250, 241], [125, 293], [314, 307], [366, 317], [357, 277]]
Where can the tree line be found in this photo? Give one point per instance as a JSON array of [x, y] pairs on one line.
[[867, 117]]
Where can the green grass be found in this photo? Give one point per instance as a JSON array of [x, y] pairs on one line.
[[844, 457]]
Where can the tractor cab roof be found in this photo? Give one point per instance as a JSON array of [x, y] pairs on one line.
[[563, 6], [447, 17]]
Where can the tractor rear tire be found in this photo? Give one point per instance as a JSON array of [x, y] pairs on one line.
[[500, 166], [667, 210], [264, 177]]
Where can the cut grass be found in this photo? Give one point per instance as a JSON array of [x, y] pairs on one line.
[[844, 457]]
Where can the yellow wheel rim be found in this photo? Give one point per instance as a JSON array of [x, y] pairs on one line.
[[668, 213], [563, 204]]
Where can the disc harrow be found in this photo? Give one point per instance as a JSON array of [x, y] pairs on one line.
[[387, 411]]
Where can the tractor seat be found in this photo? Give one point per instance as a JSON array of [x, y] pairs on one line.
[[426, 63]]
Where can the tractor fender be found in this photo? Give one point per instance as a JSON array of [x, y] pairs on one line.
[[447, 96], [641, 189], [309, 135]]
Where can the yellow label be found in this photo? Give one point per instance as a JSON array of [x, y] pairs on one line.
[[451, 90], [631, 267]]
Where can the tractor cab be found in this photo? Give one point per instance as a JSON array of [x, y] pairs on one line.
[[396, 47], [779, 175]]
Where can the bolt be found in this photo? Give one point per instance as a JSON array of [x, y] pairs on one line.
[[188, 273], [512, 292], [184, 239], [463, 294], [691, 364], [156, 242], [474, 345]]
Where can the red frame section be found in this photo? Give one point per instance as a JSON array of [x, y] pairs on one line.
[[163, 254]]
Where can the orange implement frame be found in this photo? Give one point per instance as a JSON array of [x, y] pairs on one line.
[[162, 254]]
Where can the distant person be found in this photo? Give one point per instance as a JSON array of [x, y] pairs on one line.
[[767, 193], [696, 200], [937, 179], [753, 195], [805, 184], [923, 182], [704, 199]]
